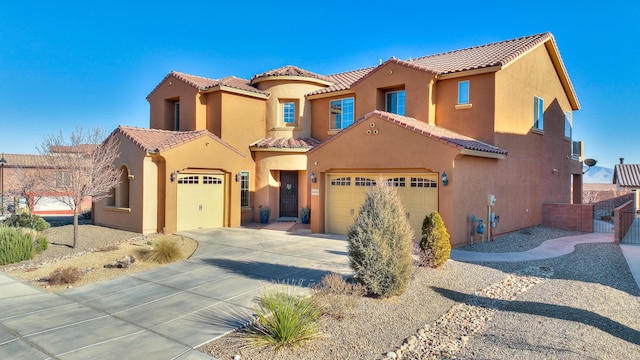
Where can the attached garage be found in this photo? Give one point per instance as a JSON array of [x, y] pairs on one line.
[[418, 193], [200, 201]]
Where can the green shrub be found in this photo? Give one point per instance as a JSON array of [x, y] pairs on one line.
[[24, 220], [337, 297], [380, 243], [284, 319], [435, 243], [68, 275], [41, 244], [164, 251], [15, 245]]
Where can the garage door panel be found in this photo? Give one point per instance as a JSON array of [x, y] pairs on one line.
[[200, 201], [346, 192]]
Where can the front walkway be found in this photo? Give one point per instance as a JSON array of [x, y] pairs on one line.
[[555, 248]]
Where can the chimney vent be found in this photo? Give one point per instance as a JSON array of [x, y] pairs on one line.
[[621, 160]]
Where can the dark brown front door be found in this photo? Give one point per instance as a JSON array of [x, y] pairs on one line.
[[288, 194]]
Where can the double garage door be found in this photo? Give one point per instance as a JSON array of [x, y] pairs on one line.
[[200, 201], [346, 192]]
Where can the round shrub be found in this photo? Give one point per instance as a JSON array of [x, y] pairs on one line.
[[15, 245], [435, 243], [380, 243], [24, 220]]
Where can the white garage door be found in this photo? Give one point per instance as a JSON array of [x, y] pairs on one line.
[[346, 192], [200, 201]]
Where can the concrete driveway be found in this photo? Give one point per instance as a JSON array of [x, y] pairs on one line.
[[163, 313]]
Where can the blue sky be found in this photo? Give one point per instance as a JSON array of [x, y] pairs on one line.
[[72, 63]]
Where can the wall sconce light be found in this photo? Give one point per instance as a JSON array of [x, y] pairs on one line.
[[313, 178], [173, 176], [238, 177], [445, 181]]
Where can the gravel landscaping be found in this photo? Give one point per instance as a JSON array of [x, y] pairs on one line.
[[580, 306]]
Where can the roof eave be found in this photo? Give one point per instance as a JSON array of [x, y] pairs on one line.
[[236, 91], [484, 154], [471, 72], [276, 149], [330, 94], [290, 78]]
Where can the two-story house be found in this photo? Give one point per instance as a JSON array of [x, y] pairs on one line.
[[446, 130]]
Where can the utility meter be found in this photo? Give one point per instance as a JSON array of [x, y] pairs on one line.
[[491, 200]]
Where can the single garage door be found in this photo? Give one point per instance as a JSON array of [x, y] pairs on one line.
[[200, 201], [346, 192]]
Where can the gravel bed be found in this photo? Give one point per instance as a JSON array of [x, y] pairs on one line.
[[579, 306], [518, 241]]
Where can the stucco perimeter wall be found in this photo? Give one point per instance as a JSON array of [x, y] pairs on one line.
[[624, 215], [192, 109], [390, 77], [130, 218], [574, 217], [267, 180]]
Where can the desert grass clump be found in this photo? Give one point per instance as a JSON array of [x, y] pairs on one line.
[[67, 275], [380, 243], [337, 297], [108, 247], [284, 319], [435, 245], [15, 245], [41, 244], [164, 251]]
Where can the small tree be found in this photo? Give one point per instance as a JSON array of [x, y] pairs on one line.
[[380, 243], [83, 167], [435, 245], [29, 184]]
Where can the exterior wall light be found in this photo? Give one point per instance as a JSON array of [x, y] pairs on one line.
[[313, 178], [238, 177], [445, 181], [173, 176]]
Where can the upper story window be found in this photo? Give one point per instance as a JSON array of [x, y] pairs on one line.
[[341, 113], [289, 112], [176, 116], [463, 92], [567, 125], [394, 102], [538, 113]]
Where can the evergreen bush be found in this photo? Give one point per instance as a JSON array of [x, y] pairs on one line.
[[24, 220], [15, 245], [380, 243], [435, 243], [41, 244]]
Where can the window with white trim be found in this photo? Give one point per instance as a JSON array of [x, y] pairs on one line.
[[244, 189], [463, 92], [538, 113], [289, 112], [395, 102], [341, 113]]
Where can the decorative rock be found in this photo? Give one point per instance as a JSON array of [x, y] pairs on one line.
[[392, 355], [125, 262]]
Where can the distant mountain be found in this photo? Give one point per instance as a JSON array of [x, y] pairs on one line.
[[598, 175]]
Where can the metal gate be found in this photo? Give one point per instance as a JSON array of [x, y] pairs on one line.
[[630, 219], [603, 216]]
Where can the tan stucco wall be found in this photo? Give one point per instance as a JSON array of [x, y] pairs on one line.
[[131, 218], [288, 90], [416, 83], [192, 107], [393, 149], [201, 155], [243, 120], [321, 115]]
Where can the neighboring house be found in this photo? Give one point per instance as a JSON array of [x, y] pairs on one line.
[[596, 192], [626, 177], [22, 177], [446, 130]]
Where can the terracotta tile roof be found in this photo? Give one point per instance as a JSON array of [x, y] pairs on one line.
[[289, 70], [627, 175], [494, 54], [25, 160], [163, 140], [82, 148], [204, 84], [343, 81], [443, 135], [285, 143]]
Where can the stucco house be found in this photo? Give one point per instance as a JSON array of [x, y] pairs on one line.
[[447, 130]]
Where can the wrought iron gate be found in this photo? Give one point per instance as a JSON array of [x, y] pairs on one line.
[[630, 219]]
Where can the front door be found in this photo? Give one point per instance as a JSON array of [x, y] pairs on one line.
[[288, 194]]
